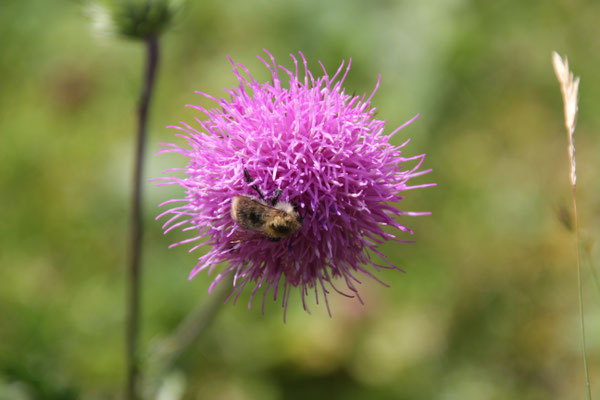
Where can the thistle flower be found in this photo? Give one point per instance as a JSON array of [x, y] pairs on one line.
[[324, 150]]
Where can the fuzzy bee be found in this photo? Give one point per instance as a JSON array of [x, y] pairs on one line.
[[274, 219]]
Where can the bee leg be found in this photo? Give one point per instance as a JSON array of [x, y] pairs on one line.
[[255, 187], [276, 196], [274, 239], [290, 248]]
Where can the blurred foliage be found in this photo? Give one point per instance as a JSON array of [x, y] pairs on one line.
[[488, 308]]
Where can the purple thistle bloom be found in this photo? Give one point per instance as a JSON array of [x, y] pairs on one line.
[[328, 155]]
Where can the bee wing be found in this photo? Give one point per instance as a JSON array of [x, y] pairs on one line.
[[247, 201]]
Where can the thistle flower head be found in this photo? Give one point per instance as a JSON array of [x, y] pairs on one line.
[[324, 150]]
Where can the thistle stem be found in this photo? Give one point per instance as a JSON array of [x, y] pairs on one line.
[[194, 324], [170, 349], [133, 306]]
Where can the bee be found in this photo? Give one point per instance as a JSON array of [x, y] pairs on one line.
[[274, 219]]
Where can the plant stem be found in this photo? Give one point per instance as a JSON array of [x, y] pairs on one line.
[[133, 306], [168, 351], [580, 287], [194, 325]]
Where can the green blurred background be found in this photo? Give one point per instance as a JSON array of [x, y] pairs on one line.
[[488, 308]]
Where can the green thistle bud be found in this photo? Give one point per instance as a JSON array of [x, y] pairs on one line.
[[136, 19]]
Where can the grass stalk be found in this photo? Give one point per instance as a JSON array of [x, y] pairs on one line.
[[569, 87]]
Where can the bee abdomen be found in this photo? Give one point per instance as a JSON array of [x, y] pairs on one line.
[[251, 219], [247, 213]]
